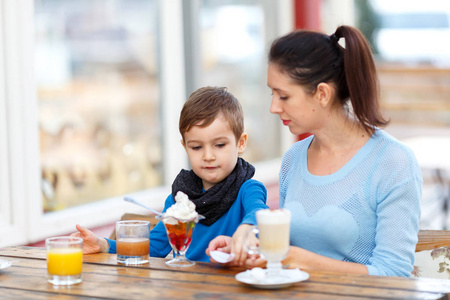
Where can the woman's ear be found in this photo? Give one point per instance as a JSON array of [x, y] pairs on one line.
[[324, 94], [242, 143]]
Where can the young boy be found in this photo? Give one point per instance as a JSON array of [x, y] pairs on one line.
[[220, 185]]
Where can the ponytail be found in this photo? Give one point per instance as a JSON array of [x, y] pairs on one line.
[[361, 77]]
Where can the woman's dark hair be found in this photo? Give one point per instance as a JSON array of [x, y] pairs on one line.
[[310, 58]]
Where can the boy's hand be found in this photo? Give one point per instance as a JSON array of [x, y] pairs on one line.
[[91, 242]]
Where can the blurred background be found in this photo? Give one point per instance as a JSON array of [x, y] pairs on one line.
[[92, 90]]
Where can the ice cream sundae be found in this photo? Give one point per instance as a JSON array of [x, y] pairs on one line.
[[180, 220]]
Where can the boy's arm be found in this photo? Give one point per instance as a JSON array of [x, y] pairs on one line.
[[112, 246], [159, 244], [254, 197]]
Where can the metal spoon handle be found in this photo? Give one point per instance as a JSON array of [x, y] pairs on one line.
[[131, 200]]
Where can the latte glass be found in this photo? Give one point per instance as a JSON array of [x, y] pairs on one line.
[[270, 238]]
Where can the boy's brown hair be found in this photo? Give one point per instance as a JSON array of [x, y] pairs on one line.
[[203, 106]]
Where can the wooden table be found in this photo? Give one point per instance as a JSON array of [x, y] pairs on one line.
[[104, 278]]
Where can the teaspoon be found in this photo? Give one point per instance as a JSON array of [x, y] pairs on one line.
[[131, 200]]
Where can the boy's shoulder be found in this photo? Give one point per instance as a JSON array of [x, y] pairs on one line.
[[252, 182], [252, 186]]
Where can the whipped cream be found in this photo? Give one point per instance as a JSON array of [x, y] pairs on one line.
[[183, 209]]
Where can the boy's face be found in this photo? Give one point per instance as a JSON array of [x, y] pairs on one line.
[[213, 150]]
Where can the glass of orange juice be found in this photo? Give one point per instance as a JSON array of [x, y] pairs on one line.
[[64, 260], [133, 242]]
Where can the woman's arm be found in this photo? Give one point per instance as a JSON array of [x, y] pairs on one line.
[[310, 261]]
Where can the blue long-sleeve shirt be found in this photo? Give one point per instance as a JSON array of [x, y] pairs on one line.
[[252, 196], [367, 212]]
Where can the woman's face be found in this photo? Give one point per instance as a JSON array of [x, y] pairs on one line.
[[298, 110]]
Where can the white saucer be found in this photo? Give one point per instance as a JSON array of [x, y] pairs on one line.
[[4, 264], [287, 277]]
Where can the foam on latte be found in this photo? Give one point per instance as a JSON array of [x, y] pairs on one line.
[[273, 216]]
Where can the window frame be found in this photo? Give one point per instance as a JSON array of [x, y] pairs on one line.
[[22, 219]]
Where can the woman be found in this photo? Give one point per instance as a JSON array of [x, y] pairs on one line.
[[354, 191]]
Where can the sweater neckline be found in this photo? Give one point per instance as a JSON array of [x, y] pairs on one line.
[[348, 167]]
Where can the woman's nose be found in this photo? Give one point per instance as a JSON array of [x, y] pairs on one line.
[[275, 107]]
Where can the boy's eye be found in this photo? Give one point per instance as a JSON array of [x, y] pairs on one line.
[[221, 145], [196, 148]]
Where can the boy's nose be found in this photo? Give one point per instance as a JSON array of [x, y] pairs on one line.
[[208, 154]]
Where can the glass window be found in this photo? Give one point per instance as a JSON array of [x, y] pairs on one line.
[[432, 20], [98, 107], [233, 40]]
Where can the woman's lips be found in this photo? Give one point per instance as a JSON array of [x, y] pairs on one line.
[[286, 122]]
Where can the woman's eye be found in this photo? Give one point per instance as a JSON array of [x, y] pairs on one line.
[[281, 97]]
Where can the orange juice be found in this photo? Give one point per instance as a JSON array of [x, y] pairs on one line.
[[64, 261]]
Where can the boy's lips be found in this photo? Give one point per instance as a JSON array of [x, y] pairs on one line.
[[210, 168]]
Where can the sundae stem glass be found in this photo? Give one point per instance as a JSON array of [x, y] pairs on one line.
[[179, 233]]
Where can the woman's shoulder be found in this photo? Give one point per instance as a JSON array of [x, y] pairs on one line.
[[390, 145], [395, 156]]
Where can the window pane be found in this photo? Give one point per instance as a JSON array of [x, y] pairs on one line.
[[97, 85], [233, 43]]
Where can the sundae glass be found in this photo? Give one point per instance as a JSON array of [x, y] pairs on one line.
[[180, 220]]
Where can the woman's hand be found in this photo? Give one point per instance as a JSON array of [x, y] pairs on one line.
[[237, 243], [229, 244], [91, 242]]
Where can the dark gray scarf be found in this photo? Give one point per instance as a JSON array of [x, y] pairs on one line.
[[216, 201]]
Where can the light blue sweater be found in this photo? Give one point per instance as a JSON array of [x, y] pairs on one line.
[[367, 212], [252, 196]]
